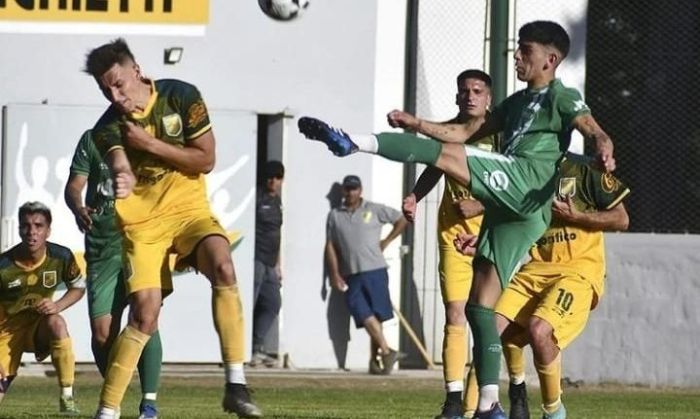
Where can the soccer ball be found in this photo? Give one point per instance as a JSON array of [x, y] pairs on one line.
[[283, 9]]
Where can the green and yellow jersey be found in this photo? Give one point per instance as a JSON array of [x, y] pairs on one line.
[[450, 220], [103, 240], [567, 249], [22, 287], [176, 114]]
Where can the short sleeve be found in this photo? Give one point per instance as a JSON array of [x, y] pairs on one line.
[[107, 134], [72, 275], [570, 105], [82, 155], [603, 190], [330, 226], [387, 214], [195, 114]]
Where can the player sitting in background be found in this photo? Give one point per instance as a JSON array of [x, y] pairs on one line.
[[29, 318], [548, 302]]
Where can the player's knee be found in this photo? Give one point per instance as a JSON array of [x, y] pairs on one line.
[[145, 320], [455, 314], [541, 332], [224, 274], [56, 326]]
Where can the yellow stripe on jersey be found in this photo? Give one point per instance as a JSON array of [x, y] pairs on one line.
[[200, 132]]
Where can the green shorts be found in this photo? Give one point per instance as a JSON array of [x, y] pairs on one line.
[[105, 287], [517, 196]]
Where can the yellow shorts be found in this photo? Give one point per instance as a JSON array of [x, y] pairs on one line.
[[16, 337], [148, 246], [455, 274], [563, 301]]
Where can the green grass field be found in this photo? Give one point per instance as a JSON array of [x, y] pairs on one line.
[[338, 396]]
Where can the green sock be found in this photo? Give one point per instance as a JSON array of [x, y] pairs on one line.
[[487, 343], [150, 363], [408, 148]]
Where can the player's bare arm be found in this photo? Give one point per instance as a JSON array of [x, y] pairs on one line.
[[197, 156], [399, 226], [426, 182], [447, 133], [469, 208], [122, 175], [337, 280], [47, 306], [591, 131], [73, 194], [614, 219]]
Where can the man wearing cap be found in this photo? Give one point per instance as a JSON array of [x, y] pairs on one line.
[[268, 274], [357, 267]]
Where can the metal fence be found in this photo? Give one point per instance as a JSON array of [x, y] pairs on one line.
[[642, 61]]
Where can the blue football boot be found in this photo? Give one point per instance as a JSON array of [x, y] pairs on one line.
[[496, 412], [337, 140]]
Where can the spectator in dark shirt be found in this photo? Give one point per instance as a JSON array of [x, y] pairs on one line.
[[268, 275]]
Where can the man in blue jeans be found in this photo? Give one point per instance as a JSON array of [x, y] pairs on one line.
[[357, 267], [268, 274]]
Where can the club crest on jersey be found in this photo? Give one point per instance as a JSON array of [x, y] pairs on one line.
[[498, 180], [172, 124], [49, 279], [567, 187], [608, 183]]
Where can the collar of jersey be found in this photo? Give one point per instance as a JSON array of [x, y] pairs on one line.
[[149, 105], [28, 268]]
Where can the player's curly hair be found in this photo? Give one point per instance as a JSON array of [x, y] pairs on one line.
[[102, 58], [546, 33], [35, 207]]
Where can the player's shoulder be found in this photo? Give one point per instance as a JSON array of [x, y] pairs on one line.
[[174, 87], [57, 251], [557, 88]]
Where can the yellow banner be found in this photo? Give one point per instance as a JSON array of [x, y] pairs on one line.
[[106, 11]]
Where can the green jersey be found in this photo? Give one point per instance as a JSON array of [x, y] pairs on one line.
[[103, 240], [537, 123], [22, 287]]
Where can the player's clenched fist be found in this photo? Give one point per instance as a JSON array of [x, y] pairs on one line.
[[409, 207], [466, 243], [401, 119], [124, 183]]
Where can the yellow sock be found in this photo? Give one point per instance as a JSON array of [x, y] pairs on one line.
[[550, 383], [63, 360], [454, 352], [228, 321], [515, 360], [124, 356], [471, 394]]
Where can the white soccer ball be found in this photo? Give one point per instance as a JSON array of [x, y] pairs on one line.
[[283, 9]]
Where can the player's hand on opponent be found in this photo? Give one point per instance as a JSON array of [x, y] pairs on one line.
[[564, 209], [83, 219], [136, 137], [46, 307], [469, 208], [124, 183], [604, 155], [466, 243], [409, 207], [339, 283], [401, 119]]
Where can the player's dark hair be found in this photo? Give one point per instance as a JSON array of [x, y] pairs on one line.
[[274, 169], [474, 74], [546, 33], [35, 207], [102, 58]]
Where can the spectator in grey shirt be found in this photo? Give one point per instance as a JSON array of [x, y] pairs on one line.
[[357, 267]]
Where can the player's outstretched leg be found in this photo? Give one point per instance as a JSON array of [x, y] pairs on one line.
[[337, 140]]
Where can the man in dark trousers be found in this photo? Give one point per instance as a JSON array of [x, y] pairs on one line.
[[268, 275]]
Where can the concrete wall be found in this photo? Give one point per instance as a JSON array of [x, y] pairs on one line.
[[325, 64]]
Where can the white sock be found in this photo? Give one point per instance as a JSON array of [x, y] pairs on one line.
[[452, 386], [150, 396], [488, 395], [67, 391], [365, 142], [234, 374], [517, 379]]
